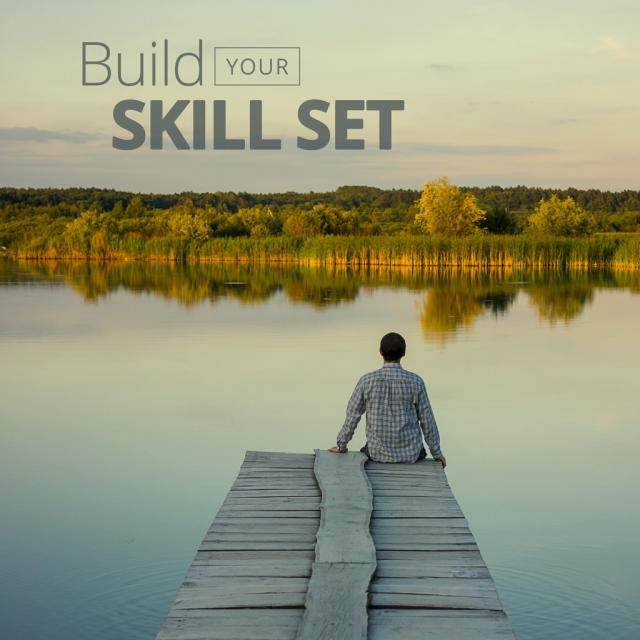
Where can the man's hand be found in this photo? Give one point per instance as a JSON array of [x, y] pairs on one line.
[[443, 460], [336, 450]]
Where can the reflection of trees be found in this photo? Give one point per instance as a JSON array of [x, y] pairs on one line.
[[499, 302], [457, 298], [443, 312], [562, 303], [453, 299], [563, 296]]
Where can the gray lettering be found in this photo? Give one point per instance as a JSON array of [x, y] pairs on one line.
[[123, 120], [256, 141], [199, 126], [385, 107], [318, 127], [252, 66], [198, 58], [220, 140], [139, 80], [86, 62], [344, 123], [231, 66], [282, 66], [159, 124]]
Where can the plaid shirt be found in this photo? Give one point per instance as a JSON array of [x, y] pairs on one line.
[[398, 413]]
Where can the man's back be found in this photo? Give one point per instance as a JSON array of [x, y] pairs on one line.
[[398, 413]]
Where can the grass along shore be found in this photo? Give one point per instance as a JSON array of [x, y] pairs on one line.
[[610, 250]]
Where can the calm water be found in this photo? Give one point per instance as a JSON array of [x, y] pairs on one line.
[[129, 394]]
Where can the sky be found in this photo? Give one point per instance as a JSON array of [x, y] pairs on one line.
[[502, 92]]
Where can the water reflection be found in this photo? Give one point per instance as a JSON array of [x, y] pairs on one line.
[[131, 391], [452, 300]]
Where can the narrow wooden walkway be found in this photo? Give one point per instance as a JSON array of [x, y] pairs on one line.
[[327, 547]]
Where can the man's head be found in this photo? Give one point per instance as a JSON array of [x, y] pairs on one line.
[[392, 347]]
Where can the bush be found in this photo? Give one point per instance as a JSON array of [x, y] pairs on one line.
[[561, 218], [445, 210]]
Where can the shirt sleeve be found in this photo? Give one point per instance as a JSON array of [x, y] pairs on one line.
[[355, 409], [428, 422]]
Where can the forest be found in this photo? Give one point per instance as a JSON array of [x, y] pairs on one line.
[[351, 224]]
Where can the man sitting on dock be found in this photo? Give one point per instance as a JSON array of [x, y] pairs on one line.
[[398, 411]]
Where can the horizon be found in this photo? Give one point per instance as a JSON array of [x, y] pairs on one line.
[[495, 93], [314, 191]]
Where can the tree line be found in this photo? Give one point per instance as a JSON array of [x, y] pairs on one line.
[[516, 200], [88, 222]]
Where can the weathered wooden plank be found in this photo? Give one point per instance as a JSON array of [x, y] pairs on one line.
[[445, 546], [411, 569], [265, 492], [255, 554], [255, 536], [479, 588], [433, 601], [427, 523], [269, 505], [383, 540], [280, 467], [435, 511], [276, 473], [343, 535], [402, 502], [207, 545], [208, 598], [231, 624], [233, 499], [427, 563], [268, 513], [269, 553], [251, 454], [336, 603], [417, 531], [259, 568], [265, 485], [436, 624], [266, 521], [411, 493], [257, 527]]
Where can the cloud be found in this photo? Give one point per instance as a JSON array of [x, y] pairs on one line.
[[441, 67], [613, 48], [565, 121], [472, 150], [33, 134]]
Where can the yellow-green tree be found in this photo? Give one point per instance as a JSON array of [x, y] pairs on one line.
[[444, 209], [558, 217], [186, 221]]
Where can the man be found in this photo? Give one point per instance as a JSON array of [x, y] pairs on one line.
[[398, 411]]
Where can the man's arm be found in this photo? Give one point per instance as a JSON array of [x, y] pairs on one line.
[[355, 409], [428, 424]]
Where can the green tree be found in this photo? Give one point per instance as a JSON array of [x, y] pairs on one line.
[[444, 209], [79, 232], [185, 221], [499, 220], [561, 218]]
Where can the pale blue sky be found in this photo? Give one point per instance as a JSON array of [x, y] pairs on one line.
[[499, 92]]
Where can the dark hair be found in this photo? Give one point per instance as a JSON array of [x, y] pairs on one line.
[[392, 346]]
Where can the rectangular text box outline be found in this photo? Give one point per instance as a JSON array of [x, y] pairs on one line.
[[251, 84]]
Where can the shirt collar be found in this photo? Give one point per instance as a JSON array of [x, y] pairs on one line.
[[392, 364]]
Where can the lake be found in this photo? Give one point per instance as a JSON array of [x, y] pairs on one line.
[[130, 392]]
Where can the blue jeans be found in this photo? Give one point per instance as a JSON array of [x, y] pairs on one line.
[[421, 456]]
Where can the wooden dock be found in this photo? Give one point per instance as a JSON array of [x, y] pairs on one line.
[[328, 546]]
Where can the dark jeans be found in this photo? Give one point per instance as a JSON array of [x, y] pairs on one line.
[[421, 456]]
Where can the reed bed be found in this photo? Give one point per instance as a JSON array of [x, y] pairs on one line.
[[612, 250]]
